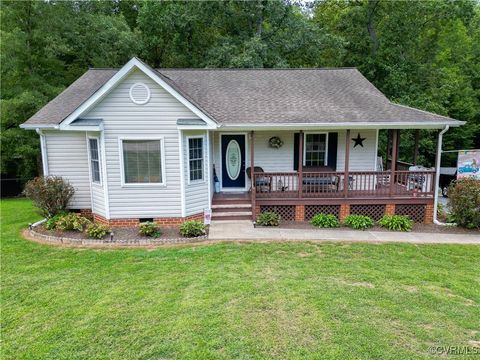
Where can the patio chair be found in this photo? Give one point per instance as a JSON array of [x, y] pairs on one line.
[[383, 180], [262, 183], [416, 182]]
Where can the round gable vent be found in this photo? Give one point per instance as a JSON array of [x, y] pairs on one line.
[[139, 93]]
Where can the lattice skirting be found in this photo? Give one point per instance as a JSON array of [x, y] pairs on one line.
[[311, 210], [376, 212], [286, 212], [416, 212]]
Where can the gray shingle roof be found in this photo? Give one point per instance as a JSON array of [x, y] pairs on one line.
[[72, 97], [261, 96]]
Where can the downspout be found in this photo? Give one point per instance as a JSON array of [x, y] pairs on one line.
[[437, 175]]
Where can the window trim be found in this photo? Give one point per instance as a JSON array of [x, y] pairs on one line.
[[325, 162], [100, 169], [162, 159], [203, 179]]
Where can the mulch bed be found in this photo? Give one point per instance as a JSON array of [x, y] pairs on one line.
[[119, 234], [424, 228]]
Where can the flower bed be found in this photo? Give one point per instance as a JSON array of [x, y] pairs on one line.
[[121, 237]]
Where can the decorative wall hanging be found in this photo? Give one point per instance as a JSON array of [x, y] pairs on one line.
[[275, 142], [358, 140]]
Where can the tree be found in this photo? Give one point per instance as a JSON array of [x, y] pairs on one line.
[[45, 46]]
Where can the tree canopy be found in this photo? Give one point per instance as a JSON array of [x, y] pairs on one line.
[[423, 54]]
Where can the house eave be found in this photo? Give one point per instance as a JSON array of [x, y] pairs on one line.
[[341, 125], [38, 126]]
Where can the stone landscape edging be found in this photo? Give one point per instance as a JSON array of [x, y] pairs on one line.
[[63, 240]]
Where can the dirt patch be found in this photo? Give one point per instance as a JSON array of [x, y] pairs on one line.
[[411, 289], [304, 254], [363, 284]]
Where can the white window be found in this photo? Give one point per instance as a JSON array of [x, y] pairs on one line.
[[195, 158], [315, 149], [142, 161], [94, 159]]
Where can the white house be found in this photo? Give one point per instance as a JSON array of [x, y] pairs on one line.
[[139, 143]]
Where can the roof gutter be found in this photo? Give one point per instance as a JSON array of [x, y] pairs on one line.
[[437, 176], [343, 125], [38, 126]]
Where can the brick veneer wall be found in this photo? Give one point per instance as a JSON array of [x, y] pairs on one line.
[[300, 213], [344, 211], [390, 209], [86, 212], [429, 214], [127, 222]]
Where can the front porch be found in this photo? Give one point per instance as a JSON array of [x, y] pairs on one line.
[[298, 195]]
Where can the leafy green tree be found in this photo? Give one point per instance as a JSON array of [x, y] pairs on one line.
[[45, 46]]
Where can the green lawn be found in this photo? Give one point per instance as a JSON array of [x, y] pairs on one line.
[[283, 300]]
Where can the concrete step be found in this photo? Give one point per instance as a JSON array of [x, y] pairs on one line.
[[230, 201], [232, 218], [231, 206], [231, 209], [217, 215]]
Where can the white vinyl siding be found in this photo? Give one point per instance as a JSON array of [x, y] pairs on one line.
[[196, 192], [281, 160], [361, 158], [67, 157], [124, 119], [269, 159]]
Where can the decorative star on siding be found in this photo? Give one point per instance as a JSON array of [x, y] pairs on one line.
[[358, 140]]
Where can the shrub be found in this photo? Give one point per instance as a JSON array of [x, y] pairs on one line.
[[359, 222], [192, 228], [268, 218], [72, 221], [51, 194], [324, 221], [396, 222], [149, 228], [97, 231], [464, 196], [51, 224]]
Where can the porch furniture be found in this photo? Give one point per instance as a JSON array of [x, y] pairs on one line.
[[263, 183], [319, 179], [383, 179], [319, 184], [417, 181]]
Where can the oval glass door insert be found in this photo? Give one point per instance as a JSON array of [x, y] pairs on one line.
[[233, 159]]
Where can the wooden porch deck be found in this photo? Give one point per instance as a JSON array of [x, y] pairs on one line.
[[339, 185]]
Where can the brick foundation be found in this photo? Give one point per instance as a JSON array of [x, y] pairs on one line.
[[86, 212], [429, 214], [128, 222], [300, 213], [390, 209], [344, 211]]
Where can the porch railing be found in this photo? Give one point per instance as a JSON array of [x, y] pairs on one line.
[[360, 184]]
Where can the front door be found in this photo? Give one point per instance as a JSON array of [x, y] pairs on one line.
[[233, 161]]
